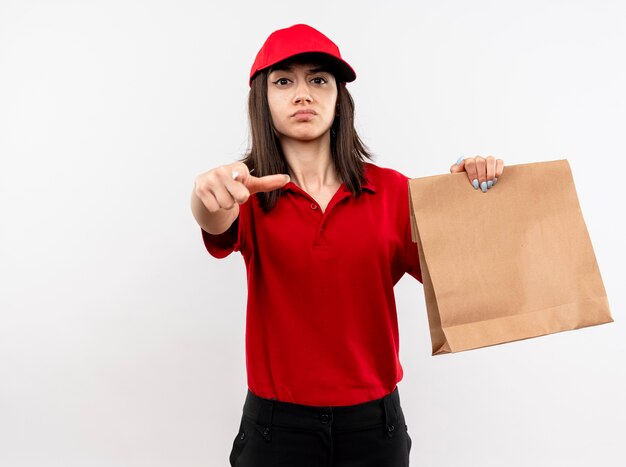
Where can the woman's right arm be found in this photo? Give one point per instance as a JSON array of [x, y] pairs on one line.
[[217, 194], [212, 222]]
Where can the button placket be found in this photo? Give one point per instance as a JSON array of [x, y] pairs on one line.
[[338, 197]]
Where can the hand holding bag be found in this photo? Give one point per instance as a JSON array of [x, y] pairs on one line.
[[510, 264]]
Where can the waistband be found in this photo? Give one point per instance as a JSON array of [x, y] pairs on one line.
[[385, 411]]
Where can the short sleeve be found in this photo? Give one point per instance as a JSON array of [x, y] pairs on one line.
[[411, 254], [410, 251], [222, 245]]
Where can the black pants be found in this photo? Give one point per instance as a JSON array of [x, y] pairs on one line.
[[282, 434]]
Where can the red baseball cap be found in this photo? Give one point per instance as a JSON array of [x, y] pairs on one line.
[[300, 39]]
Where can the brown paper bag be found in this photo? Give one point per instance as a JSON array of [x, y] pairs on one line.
[[510, 264]]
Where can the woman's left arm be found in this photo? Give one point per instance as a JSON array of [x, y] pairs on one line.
[[482, 172]]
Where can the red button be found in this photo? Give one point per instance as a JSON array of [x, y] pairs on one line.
[[313, 206]]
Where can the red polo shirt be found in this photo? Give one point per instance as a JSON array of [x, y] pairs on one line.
[[321, 324]]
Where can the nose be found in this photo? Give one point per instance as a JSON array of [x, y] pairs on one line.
[[302, 93]]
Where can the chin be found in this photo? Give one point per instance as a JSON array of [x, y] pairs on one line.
[[306, 135]]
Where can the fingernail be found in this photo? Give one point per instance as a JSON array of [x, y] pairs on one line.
[[495, 180], [234, 174], [489, 184], [475, 183], [483, 186], [458, 161], [288, 178]]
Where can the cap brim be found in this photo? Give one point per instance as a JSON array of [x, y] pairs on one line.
[[341, 69]]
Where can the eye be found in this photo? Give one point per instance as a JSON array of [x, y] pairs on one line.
[[281, 81], [319, 80]]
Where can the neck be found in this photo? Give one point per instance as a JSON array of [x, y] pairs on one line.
[[310, 163]]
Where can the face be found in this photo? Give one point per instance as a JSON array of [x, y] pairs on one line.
[[302, 100]]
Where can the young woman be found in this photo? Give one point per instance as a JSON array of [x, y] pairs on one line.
[[325, 236]]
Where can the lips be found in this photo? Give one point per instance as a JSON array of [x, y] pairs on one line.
[[305, 112], [304, 115]]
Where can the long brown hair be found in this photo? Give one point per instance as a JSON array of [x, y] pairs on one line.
[[266, 157]]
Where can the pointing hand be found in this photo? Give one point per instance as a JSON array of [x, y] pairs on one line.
[[229, 185]]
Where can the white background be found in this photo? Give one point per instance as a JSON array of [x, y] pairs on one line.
[[122, 340]]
